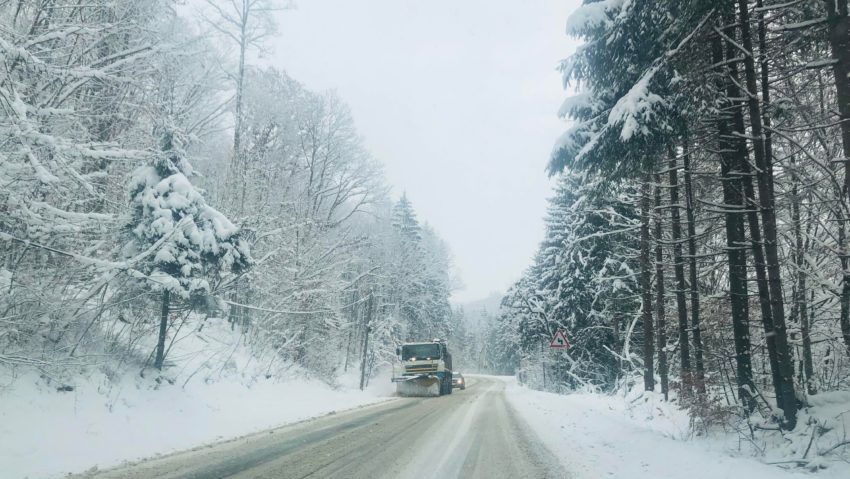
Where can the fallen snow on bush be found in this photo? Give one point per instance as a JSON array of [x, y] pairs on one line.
[[641, 436]]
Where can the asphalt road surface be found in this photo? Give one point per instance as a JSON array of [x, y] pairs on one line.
[[469, 434]]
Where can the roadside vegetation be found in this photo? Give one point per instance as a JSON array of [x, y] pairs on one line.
[[154, 183], [697, 243]]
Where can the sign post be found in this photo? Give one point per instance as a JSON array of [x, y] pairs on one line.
[[559, 340]]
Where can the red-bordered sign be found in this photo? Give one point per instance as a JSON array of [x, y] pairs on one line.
[[559, 340]]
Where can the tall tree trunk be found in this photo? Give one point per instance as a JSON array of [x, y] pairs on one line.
[[693, 273], [844, 251], [801, 308], [739, 296], [758, 259], [733, 203], [646, 288], [679, 271], [661, 320], [838, 22], [764, 174], [367, 330], [163, 330], [352, 311], [752, 206]]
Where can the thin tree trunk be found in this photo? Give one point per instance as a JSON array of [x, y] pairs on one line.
[[661, 320], [693, 273], [762, 151], [542, 364], [844, 252], [366, 342], [163, 330], [679, 271], [801, 308], [351, 330], [646, 289]]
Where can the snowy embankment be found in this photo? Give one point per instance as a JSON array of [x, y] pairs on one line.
[[47, 430], [597, 436], [45, 433]]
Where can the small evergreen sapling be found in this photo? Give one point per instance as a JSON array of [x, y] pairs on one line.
[[202, 245]]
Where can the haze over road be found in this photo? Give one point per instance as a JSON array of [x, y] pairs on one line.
[[471, 433]]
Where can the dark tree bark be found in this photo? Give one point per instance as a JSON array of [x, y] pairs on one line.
[[733, 204], [758, 259], [762, 152], [646, 289], [693, 273], [163, 330], [844, 316], [752, 207], [679, 271], [367, 330], [838, 22], [661, 320]]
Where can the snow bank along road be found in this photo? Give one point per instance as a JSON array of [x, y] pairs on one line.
[[471, 433]]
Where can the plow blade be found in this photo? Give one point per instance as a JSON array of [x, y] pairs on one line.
[[427, 386]]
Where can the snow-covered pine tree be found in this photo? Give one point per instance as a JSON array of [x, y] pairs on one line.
[[199, 247], [405, 221], [584, 280]]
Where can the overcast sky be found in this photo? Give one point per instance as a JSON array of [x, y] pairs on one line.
[[458, 99]]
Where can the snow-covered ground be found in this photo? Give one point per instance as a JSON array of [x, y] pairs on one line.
[[47, 433], [597, 436]]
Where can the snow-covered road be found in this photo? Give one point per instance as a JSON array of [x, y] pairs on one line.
[[472, 433]]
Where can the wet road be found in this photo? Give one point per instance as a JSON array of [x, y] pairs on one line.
[[469, 434]]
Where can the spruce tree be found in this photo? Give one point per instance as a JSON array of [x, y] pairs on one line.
[[197, 245]]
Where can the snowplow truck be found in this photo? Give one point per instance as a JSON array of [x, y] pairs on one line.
[[425, 369]]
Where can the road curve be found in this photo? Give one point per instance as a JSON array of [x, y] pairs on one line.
[[469, 434]]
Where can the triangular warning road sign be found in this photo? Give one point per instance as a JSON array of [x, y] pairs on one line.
[[559, 340]]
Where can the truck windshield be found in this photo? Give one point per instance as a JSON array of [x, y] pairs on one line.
[[420, 351]]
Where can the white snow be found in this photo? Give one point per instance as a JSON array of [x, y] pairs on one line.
[[574, 103], [46, 433], [592, 15], [597, 436], [635, 107]]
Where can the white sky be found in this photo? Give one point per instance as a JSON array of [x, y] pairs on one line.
[[458, 99]]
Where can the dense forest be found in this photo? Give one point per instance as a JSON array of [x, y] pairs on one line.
[[153, 183], [697, 243]]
